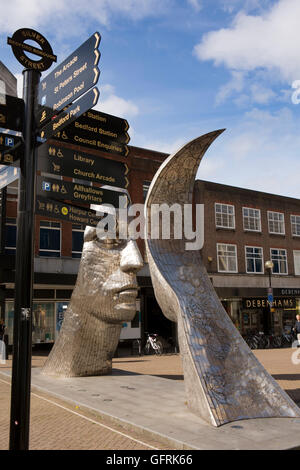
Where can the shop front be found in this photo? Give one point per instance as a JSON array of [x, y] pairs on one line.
[[46, 320], [48, 316], [255, 313]]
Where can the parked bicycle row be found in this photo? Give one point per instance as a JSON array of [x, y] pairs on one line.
[[259, 340], [254, 339]]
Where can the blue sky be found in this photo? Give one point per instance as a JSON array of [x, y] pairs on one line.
[[176, 69]]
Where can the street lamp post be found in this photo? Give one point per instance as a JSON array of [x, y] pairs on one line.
[[269, 265]]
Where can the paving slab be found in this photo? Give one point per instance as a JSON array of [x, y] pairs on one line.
[[157, 407]]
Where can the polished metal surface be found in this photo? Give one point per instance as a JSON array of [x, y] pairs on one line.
[[103, 298], [224, 381]]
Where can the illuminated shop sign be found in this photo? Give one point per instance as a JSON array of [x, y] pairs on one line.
[[279, 302]]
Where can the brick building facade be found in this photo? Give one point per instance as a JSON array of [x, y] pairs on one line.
[[243, 230]]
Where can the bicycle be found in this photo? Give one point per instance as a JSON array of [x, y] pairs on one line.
[[286, 339], [153, 344], [273, 341], [256, 340]]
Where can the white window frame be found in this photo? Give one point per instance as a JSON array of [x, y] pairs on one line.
[[276, 221], [77, 230], [262, 259], [51, 228], [226, 258], [295, 224], [298, 252], [245, 217], [224, 214], [286, 261]]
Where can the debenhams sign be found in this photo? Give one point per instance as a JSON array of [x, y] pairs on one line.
[[279, 302]]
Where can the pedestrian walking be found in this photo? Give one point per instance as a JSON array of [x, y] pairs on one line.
[[296, 329]]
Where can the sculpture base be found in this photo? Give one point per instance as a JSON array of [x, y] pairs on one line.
[[157, 406]]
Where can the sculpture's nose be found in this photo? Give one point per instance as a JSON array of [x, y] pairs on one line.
[[131, 258]]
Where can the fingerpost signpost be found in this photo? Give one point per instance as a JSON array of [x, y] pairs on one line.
[[58, 100]]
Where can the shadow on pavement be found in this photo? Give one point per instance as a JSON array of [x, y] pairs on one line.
[[124, 362], [286, 376]]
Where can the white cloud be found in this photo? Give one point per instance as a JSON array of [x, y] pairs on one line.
[[249, 91], [196, 4], [261, 152], [269, 40], [72, 16], [236, 84], [164, 146], [246, 5], [110, 103], [261, 94]]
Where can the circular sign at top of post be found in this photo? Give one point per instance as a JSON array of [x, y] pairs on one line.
[[17, 42]]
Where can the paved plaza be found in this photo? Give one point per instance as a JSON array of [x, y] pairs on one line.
[[70, 417]]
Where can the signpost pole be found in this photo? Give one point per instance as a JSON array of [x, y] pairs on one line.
[[22, 344]]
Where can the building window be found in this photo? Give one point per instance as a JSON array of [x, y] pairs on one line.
[[227, 258], [77, 240], [295, 223], [251, 219], [43, 322], [146, 186], [276, 222], [254, 260], [279, 258], [224, 216], [297, 262], [10, 236], [49, 239]]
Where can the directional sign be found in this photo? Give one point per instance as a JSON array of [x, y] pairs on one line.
[[270, 296], [63, 161], [69, 80], [62, 211], [104, 121], [71, 113], [87, 139], [10, 158], [8, 141], [84, 131], [8, 175], [11, 148], [12, 113], [80, 193], [105, 125]]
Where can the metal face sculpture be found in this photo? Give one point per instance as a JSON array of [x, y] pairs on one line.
[[103, 298], [223, 379]]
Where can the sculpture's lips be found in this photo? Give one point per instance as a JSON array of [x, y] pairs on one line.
[[127, 289], [132, 292], [126, 300]]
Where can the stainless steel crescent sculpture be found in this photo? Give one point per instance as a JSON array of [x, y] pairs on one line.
[[224, 381]]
